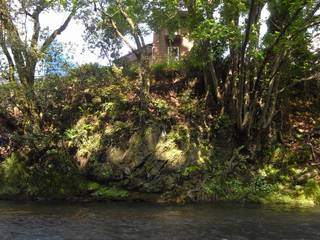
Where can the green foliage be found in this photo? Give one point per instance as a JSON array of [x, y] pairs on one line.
[[233, 179], [14, 175], [131, 70], [119, 126], [95, 114], [191, 106], [234, 189], [161, 108], [217, 33], [90, 71], [90, 145], [167, 70], [80, 132], [223, 122], [102, 171], [181, 136], [287, 166], [188, 171], [312, 190], [55, 176]]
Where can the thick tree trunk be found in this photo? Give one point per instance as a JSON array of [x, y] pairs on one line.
[[208, 91]]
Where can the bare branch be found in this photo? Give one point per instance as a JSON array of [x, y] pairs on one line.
[[58, 31], [6, 52], [136, 32], [114, 26], [315, 77], [36, 24]]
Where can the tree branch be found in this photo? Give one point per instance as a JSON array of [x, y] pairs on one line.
[[7, 54], [115, 28], [315, 77], [126, 41], [16, 44], [275, 43], [58, 31], [136, 32], [36, 25]]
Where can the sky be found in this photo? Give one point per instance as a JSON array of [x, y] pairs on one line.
[[72, 35]]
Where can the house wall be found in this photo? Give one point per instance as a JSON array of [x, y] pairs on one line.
[[161, 44]]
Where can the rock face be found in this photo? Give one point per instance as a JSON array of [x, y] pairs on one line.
[[150, 162]]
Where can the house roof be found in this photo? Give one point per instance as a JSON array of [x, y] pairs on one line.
[[131, 56]]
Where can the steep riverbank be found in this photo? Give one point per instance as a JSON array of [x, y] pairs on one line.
[[96, 142]]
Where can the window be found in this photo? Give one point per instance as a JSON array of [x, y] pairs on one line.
[[173, 53]]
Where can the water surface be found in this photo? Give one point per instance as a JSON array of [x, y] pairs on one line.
[[31, 221]]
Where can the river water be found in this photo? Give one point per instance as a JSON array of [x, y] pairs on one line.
[[96, 221]]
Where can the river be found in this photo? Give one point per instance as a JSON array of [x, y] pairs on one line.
[[57, 221]]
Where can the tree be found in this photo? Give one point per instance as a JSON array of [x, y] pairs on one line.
[[3, 68], [116, 23], [23, 52], [245, 70]]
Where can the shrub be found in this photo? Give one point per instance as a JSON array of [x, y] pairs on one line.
[[91, 70], [312, 190], [167, 70], [55, 175], [14, 175]]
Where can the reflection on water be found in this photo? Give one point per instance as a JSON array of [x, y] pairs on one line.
[[28, 221]]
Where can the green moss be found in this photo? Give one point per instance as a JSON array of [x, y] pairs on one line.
[[106, 193], [90, 186]]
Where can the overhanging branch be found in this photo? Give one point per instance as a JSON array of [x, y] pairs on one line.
[[58, 31]]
